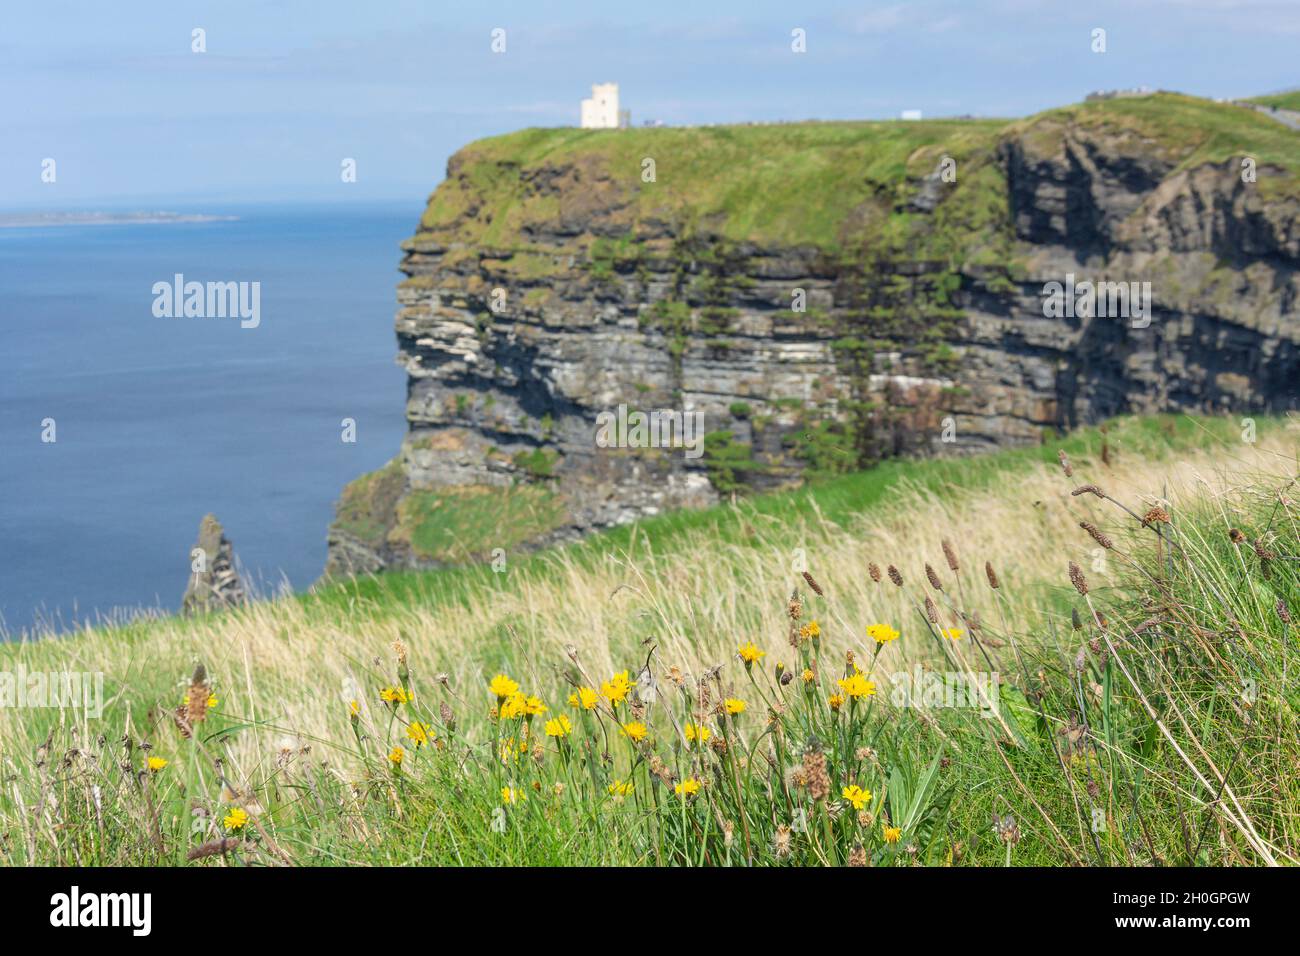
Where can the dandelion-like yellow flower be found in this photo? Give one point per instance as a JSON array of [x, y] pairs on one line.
[[395, 695], [952, 633], [558, 726], [396, 755], [235, 819], [154, 764], [891, 834], [687, 788], [697, 733], [516, 705], [584, 697], [511, 795], [836, 701], [750, 654], [634, 730], [620, 789], [418, 733], [810, 630], [533, 706], [734, 705], [882, 633], [354, 707], [616, 688], [808, 675], [856, 796], [857, 686], [502, 686]]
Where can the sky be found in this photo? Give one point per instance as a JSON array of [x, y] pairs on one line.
[[288, 89]]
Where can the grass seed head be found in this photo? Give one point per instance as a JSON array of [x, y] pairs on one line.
[[951, 555], [1156, 515], [933, 576], [931, 611], [795, 607], [1096, 534], [895, 576], [1065, 463], [1077, 579], [992, 575]]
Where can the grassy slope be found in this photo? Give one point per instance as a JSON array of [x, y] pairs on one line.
[[1289, 100], [695, 585], [811, 183]]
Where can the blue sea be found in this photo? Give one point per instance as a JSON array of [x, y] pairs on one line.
[[159, 421]]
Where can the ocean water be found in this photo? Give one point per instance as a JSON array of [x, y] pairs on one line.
[[161, 420]]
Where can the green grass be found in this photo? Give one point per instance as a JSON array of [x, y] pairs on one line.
[[836, 500], [1192, 617], [796, 183], [832, 185], [1289, 100], [1185, 130], [462, 524]]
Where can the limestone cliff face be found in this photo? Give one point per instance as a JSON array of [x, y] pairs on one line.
[[826, 295]]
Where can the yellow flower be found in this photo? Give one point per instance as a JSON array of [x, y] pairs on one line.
[[836, 701], [697, 733], [953, 633], [857, 686], [881, 633], [750, 654], [154, 764], [810, 630], [583, 697], [396, 755], [395, 695], [634, 730], [511, 795], [418, 733], [516, 705], [687, 788], [891, 834], [558, 726], [355, 707], [616, 688], [235, 819], [502, 686], [856, 796], [808, 675], [620, 789], [734, 705], [534, 706]]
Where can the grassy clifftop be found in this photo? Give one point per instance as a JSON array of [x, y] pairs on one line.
[[819, 184]]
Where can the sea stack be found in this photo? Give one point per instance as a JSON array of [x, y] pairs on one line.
[[214, 582]]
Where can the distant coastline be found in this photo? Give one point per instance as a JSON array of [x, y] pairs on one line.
[[23, 220]]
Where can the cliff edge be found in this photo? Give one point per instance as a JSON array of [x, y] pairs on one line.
[[824, 295]]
